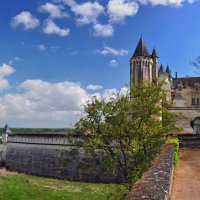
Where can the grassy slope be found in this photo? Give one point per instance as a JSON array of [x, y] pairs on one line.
[[26, 187]]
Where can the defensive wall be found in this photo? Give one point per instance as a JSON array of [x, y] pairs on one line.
[[1, 162], [52, 155]]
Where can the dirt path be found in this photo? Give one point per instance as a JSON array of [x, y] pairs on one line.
[[186, 183]]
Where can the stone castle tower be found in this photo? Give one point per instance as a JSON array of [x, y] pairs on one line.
[[144, 66]]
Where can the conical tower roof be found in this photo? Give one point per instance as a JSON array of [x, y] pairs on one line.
[[141, 49], [7, 130], [161, 69], [154, 53], [168, 70]]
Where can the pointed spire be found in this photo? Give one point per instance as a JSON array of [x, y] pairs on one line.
[[7, 130], [141, 49], [154, 53], [161, 69], [168, 70]]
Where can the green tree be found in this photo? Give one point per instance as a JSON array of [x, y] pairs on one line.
[[126, 129]]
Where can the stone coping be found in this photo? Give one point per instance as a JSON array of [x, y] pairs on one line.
[[156, 182]]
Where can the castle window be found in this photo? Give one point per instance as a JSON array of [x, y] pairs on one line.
[[193, 101]]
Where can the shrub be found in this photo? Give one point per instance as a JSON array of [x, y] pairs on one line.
[[175, 141]]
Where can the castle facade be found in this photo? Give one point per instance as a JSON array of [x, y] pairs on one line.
[[184, 91]]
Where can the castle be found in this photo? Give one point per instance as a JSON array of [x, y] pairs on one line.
[[184, 92]]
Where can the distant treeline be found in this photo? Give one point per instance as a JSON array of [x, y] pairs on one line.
[[39, 130]]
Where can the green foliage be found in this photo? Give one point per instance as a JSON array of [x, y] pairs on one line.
[[25, 187], [175, 141], [127, 129]]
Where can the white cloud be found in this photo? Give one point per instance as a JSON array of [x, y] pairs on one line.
[[87, 12], [104, 30], [111, 93], [94, 87], [62, 96], [113, 63], [5, 71], [26, 20], [44, 104], [39, 103], [54, 48], [55, 11], [41, 47], [51, 28], [70, 3], [110, 50], [176, 3], [118, 10], [14, 60]]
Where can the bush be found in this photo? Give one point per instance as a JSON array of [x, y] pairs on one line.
[[175, 141]]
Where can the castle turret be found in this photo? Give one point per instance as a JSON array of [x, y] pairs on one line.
[[6, 132], [161, 69], [169, 72], [141, 64], [154, 56]]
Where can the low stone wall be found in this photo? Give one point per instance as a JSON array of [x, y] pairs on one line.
[[51, 156], [189, 140], [156, 182]]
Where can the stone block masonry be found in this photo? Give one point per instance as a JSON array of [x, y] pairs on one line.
[[51, 156], [156, 182], [1, 161]]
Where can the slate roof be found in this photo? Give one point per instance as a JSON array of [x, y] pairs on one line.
[[141, 49], [168, 70], [154, 53], [161, 70], [7, 129], [187, 81]]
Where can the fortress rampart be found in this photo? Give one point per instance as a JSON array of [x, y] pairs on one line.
[[52, 155]]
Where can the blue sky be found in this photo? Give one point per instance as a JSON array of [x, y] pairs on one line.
[[56, 53]]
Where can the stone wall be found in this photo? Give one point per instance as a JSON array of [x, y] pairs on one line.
[[51, 156], [189, 140], [155, 184], [1, 161], [184, 115]]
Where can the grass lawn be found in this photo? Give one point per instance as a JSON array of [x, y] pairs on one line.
[[26, 187]]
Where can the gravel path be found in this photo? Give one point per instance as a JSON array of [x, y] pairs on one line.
[[186, 183]]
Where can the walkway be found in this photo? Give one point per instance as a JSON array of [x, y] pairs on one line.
[[186, 183]]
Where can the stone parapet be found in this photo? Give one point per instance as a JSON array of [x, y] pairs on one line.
[[155, 184]]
